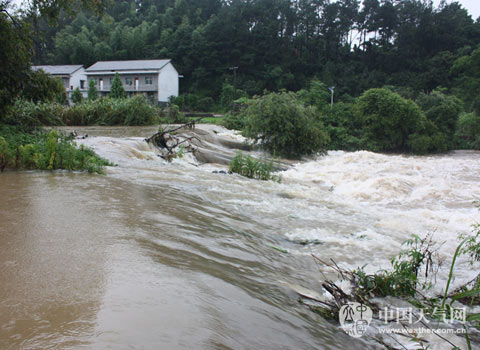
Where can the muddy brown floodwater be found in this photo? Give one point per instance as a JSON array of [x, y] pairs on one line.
[[172, 256]]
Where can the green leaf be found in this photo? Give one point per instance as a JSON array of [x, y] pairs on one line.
[[466, 294], [473, 317], [280, 249]]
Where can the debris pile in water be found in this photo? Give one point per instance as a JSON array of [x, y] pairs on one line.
[[170, 144]]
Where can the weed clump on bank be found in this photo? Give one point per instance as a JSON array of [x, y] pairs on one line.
[[46, 151]]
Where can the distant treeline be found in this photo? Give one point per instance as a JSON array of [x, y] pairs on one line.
[[281, 44]]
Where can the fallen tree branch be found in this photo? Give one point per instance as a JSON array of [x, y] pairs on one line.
[[169, 144]]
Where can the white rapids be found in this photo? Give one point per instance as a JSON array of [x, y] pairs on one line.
[[354, 207]]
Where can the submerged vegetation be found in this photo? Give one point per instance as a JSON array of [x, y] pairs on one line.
[[45, 151], [284, 125], [253, 168]]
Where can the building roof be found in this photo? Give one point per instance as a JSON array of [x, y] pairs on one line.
[[128, 65], [58, 70]]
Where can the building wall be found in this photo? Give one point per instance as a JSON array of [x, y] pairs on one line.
[[164, 84], [75, 81], [167, 83], [142, 85]]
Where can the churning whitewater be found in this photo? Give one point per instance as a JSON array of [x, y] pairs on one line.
[[355, 207], [179, 256]]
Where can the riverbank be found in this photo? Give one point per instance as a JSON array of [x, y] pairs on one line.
[[41, 150]]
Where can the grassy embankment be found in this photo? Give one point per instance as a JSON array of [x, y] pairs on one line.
[[43, 150]]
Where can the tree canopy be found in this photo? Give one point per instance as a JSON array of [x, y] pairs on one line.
[[16, 43], [285, 126], [276, 44]]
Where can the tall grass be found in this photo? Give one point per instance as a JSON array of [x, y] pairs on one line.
[[253, 168], [136, 110]]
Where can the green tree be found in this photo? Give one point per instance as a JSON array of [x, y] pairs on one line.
[[284, 126], [468, 131], [442, 110], [466, 71], [15, 53], [317, 94], [16, 42], [388, 120], [61, 94], [77, 96], [341, 126], [354, 45], [227, 96], [117, 90], [92, 90], [42, 87]]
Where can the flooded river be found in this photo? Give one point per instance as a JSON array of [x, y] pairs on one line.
[[157, 255]]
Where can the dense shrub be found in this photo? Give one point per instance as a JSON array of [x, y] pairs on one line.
[[178, 101], [29, 115], [46, 151], [468, 131], [316, 95], [341, 126], [172, 115], [132, 111], [229, 95], [428, 140], [234, 121], [388, 120], [284, 126], [92, 90], [42, 87], [77, 96], [190, 102], [205, 104], [442, 110]]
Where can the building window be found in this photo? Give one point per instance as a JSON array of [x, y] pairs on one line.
[[148, 81], [100, 84], [111, 81], [128, 81], [82, 84]]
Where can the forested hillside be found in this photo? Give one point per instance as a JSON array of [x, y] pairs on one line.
[[351, 44]]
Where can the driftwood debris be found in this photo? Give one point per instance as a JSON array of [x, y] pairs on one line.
[[172, 145], [338, 294]]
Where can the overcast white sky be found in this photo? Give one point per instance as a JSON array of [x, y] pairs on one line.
[[473, 6]]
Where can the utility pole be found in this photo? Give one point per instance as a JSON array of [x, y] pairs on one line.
[[234, 68], [332, 89]]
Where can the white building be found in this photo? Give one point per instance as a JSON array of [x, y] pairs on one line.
[[157, 79], [73, 76]]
